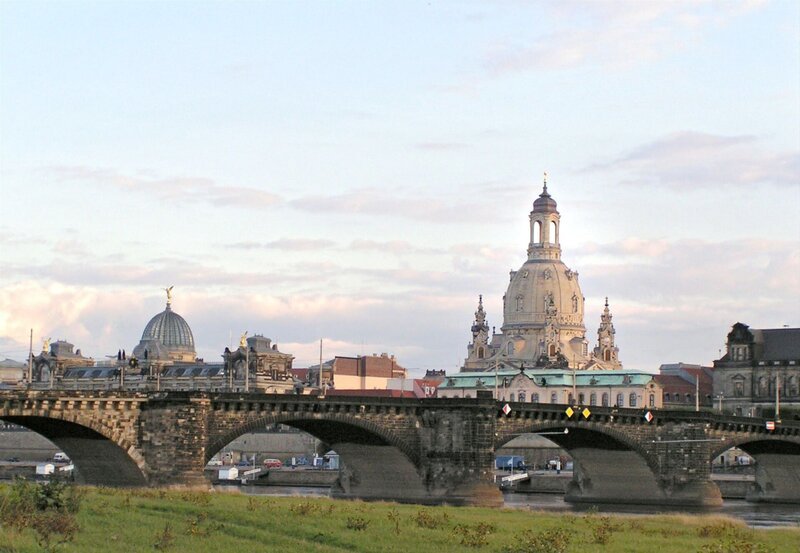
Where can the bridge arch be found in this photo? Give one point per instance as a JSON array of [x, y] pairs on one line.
[[368, 451], [608, 465], [777, 465], [102, 456]]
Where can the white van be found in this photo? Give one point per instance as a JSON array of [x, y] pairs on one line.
[[61, 457]]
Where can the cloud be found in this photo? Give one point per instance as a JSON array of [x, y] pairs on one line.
[[376, 202], [690, 160], [287, 244], [616, 34], [440, 146], [183, 189], [396, 247]]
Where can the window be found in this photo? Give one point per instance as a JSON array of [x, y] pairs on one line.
[[570, 399], [511, 397], [605, 399], [738, 388], [510, 348], [551, 351], [480, 353], [537, 232], [652, 400], [534, 397], [553, 233], [521, 397], [666, 396], [632, 399], [607, 355], [620, 400], [581, 399], [593, 399], [688, 398], [467, 396], [520, 302], [553, 398]]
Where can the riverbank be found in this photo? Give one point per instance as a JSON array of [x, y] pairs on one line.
[[137, 520]]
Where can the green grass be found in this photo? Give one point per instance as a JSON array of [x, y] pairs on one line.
[[135, 520]]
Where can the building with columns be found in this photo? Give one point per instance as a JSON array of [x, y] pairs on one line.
[[542, 310]]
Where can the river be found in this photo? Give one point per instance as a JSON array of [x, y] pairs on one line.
[[755, 515]]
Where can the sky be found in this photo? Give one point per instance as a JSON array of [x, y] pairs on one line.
[[359, 172]]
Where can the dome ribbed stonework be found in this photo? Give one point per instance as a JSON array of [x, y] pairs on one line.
[[170, 329], [167, 337]]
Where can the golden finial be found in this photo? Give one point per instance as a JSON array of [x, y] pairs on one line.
[[243, 340]]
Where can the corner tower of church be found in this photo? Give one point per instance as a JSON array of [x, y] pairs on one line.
[[542, 309]]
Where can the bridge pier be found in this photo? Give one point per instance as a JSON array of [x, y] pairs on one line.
[[623, 477], [777, 478]]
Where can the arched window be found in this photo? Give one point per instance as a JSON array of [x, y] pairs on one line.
[[537, 232], [553, 398], [467, 396], [607, 355], [652, 400], [521, 397], [581, 399], [511, 397], [551, 350], [534, 397], [620, 400], [632, 399], [553, 233], [570, 399], [605, 399], [593, 399], [688, 398], [480, 353], [666, 396]]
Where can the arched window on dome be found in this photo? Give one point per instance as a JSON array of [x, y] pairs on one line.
[[537, 232], [553, 232]]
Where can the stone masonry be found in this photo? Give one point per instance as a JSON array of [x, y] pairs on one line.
[[430, 450]]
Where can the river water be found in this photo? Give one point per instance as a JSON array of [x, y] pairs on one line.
[[754, 515]]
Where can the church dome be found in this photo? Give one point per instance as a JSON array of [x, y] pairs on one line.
[[541, 286], [171, 330], [166, 337]]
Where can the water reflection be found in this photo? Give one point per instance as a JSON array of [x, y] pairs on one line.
[[755, 515]]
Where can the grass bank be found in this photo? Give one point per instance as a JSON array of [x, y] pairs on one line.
[[111, 521]]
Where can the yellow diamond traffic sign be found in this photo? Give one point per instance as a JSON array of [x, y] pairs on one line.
[[569, 411], [586, 413]]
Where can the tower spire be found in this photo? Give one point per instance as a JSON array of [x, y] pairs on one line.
[[544, 190]]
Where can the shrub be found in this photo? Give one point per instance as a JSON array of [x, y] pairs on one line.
[[164, 539], [47, 509], [425, 519], [357, 523], [547, 541], [476, 535]]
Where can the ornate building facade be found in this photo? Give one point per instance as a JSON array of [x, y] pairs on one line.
[[542, 310], [759, 372]]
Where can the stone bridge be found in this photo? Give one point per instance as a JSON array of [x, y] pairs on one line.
[[425, 451]]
